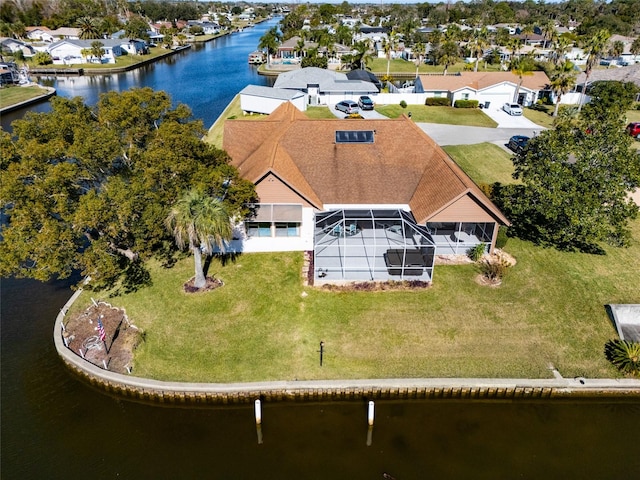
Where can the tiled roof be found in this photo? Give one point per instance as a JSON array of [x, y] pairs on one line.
[[622, 74], [402, 166], [482, 80]]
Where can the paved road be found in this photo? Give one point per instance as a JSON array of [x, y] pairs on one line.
[[462, 135]]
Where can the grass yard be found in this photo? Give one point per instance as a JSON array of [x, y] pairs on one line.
[[447, 115], [484, 162], [260, 326], [319, 113], [233, 110], [12, 95], [379, 67]]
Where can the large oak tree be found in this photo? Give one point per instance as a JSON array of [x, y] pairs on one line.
[[576, 178], [88, 188]]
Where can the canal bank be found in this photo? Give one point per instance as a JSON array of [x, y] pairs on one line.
[[155, 391]]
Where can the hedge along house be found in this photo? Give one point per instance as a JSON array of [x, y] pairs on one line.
[[490, 89], [373, 199]]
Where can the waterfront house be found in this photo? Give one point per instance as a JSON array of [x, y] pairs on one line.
[[12, 45], [42, 34], [489, 88], [68, 52], [322, 86], [372, 199], [260, 99]]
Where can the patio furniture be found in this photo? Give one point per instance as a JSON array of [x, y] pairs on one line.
[[462, 237], [401, 262]]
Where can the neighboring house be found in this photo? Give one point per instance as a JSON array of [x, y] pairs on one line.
[[134, 46], [487, 87], [12, 45], [42, 34], [626, 58], [364, 76], [287, 49], [322, 86], [66, 33], [259, 99], [372, 199], [67, 52], [630, 73]]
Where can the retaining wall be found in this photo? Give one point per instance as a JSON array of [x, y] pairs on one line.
[[336, 390]]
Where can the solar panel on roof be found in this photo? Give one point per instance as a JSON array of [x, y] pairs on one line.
[[354, 136]]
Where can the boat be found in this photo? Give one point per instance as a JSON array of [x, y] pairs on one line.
[[257, 58]]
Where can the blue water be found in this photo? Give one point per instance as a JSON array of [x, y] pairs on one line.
[[205, 77], [56, 427]]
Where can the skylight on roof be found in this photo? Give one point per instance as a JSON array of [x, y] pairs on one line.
[[354, 136]]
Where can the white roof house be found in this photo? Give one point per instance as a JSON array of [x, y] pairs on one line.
[[324, 87], [259, 99], [67, 52]]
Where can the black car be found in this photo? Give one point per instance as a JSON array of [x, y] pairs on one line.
[[365, 103], [517, 143]]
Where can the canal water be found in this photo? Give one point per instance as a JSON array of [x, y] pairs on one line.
[[54, 426]]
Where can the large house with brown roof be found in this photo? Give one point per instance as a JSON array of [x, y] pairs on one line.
[[494, 88], [373, 199]]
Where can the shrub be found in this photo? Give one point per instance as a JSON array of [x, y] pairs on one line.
[[494, 270], [403, 104], [466, 104], [42, 58], [624, 355], [502, 238], [475, 253], [486, 188], [437, 102], [354, 115]]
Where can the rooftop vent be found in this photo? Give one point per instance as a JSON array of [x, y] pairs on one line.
[[354, 136]]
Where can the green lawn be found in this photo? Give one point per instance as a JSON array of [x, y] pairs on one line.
[[265, 325], [484, 162], [448, 115], [12, 95], [379, 66], [233, 110], [319, 113]]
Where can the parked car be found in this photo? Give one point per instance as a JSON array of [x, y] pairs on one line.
[[365, 103], [347, 106], [517, 143], [633, 129], [512, 108]]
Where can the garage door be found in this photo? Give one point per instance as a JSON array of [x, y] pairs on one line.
[[496, 99]]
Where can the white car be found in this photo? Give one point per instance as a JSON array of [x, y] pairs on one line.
[[512, 108]]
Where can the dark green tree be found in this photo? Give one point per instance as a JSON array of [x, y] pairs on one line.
[[89, 188], [577, 177]]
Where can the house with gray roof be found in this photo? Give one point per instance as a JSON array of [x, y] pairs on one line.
[[259, 99], [68, 52], [324, 87]]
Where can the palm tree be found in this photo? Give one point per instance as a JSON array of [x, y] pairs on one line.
[[449, 54], [389, 45], [97, 51], [616, 49], [201, 223], [563, 79], [521, 67], [419, 50], [478, 45], [594, 48], [560, 49], [89, 28], [635, 47], [269, 42]]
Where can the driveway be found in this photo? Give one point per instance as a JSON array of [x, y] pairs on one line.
[[504, 120], [368, 114], [463, 135]]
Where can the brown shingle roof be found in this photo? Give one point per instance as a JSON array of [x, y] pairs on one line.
[[481, 80], [402, 166]]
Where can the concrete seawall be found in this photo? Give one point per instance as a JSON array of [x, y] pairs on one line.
[[181, 393]]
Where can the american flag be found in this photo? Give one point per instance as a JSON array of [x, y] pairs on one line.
[[101, 332]]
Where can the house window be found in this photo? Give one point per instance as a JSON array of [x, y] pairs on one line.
[[258, 229], [287, 229], [437, 94], [280, 220], [465, 96]]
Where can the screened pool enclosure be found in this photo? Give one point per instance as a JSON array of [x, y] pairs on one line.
[[371, 245]]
